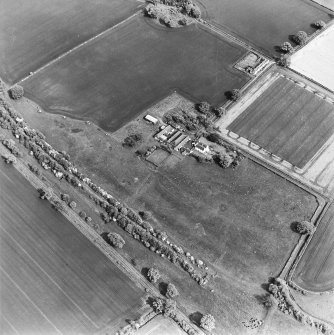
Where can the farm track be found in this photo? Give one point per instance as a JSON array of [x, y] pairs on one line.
[[96, 239], [76, 48]]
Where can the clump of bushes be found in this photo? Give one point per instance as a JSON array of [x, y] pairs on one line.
[[319, 24], [219, 111], [287, 47], [10, 145], [73, 205], [304, 227], [208, 322], [34, 169], [132, 140], [153, 275], [300, 38], [116, 240], [16, 92]]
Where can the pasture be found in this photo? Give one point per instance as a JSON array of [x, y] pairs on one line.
[[34, 32], [53, 279], [287, 120], [264, 23], [118, 75], [238, 220], [315, 271], [160, 326]]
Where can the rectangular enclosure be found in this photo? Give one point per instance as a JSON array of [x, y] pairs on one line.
[[288, 121]]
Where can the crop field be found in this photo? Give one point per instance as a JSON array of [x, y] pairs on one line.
[[34, 32], [315, 271], [53, 280], [287, 120], [321, 53], [112, 79], [264, 23]]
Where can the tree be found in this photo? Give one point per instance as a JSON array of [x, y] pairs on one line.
[[319, 24], [171, 291], [208, 322], [234, 95], [215, 138], [65, 197], [132, 140], [287, 47], [204, 107], [300, 38], [304, 227], [170, 307], [219, 111], [284, 61], [116, 240], [224, 160], [153, 275], [145, 215], [16, 92], [82, 214], [158, 305], [73, 204]]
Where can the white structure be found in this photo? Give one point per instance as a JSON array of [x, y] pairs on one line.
[[316, 59], [150, 118]]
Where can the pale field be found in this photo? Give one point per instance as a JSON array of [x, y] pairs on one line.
[[316, 59]]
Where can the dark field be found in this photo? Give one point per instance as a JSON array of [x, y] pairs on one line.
[[265, 23], [114, 78], [288, 121], [53, 280], [315, 271], [33, 32], [237, 220]]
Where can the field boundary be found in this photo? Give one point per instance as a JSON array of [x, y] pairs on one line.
[[55, 60]]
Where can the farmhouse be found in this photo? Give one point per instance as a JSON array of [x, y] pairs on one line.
[[202, 148]]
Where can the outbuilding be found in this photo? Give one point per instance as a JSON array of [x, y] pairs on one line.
[[151, 119]]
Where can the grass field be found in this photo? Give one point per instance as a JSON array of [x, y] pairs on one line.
[[114, 78], [34, 32], [232, 207], [287, 120], [53, 280], [265, 23], [315, 271], [160, 326]]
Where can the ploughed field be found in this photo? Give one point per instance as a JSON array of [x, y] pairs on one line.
[[264, 23], [112, 79], [34, 32], [53, 280], [315, 271], [287, 120]]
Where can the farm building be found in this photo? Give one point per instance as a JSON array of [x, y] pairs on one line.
[[165, 133], [184, 139], [151, 118]]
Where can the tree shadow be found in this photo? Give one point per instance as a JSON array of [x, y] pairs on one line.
[[292, 38], [150, 301], [144, 272], [277, 48], [163, 288], [196, 318], [105, 236], [293, 226], [228, 94]]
